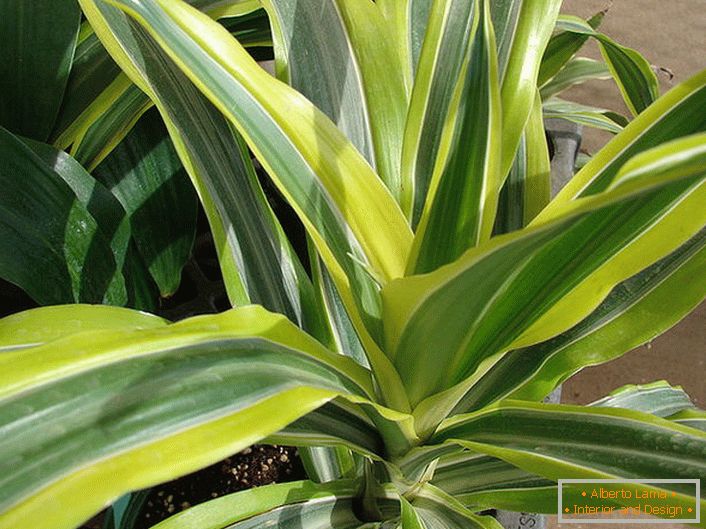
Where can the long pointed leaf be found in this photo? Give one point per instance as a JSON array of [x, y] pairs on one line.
[[132, 405], [631, 71], [560, 441], [355, 223], [281, 505], [462, 201], [257, 262], [313, 54], [674, 115], [441, 59], [535, 24], [499, 316]]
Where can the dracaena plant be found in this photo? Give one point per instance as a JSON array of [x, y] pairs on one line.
[[445, 296]]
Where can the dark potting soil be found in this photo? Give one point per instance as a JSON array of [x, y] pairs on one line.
[[253, 467]]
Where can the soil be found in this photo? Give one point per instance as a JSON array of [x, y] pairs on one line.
[[253, 467]]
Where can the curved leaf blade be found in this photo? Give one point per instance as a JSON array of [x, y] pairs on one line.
[[53, 247], [462, 201], [635, 311], [628, 223], [129, 401], [445, 50], [280, 505], [535, 23], [561, 441]]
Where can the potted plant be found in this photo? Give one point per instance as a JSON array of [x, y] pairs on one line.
[[447, 294]]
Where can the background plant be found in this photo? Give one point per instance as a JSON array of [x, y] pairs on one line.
[[446, 295]]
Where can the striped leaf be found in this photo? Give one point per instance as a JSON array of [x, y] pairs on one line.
[[527, 188], [535, 23], [383, 70], [354, 222], [441, 59], [92, 71], [598, 118], [117, 410], [38, 40], [313, 54], [635, 311], [101, 105], [576, 72], [257, 261], [480, 482], [658, 398], [106, 122], [330, 51], [595, 244], [674, 115], [284, 505], [418, 12], [562, 48], [435, 509], [692, 418], [637, 82], [462, 200], [561, 441]]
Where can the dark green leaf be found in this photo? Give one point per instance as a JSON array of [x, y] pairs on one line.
[[37, 39]]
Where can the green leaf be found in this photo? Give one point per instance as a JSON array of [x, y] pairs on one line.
[[92, 71], [101, 105], [598, 118], [330, 51], [418, 12], [462, 200], [505, 15], [561, 49], [674, 115], [354, 222], [38, 40], [576, 71], [145, 175], [257, 262], [324, 464], [131, 406], [98, 200], [692, 418], [527, 189], [284, 505], [560, 441], [631, 71], [658, 398], [314, 55], [382, 66], [107, 121], [439, 67], [336, 427], [573, 259], [38, 326], [480, 481], [52, 246], [438, 510], [535, 23], [635, 311]]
